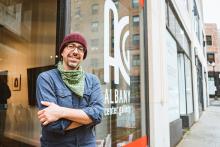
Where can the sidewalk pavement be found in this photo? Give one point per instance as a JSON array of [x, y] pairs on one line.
[[206, 132]]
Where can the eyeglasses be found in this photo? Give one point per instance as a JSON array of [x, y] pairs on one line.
[[79, 48]]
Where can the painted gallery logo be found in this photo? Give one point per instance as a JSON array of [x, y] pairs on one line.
[[118, 99]]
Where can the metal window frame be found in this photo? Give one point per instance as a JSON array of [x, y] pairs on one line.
[[63, 25]]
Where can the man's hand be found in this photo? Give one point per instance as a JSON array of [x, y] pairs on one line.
[[50, 114], [54, 112]]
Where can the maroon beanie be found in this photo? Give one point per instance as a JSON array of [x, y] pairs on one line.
[[74, 37]]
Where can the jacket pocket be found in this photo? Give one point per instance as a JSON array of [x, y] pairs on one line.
[[64, 98], [84, 102]]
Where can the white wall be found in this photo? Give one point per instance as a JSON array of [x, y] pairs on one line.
[[188, 23]]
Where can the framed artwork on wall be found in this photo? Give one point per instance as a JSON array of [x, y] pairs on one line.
[[16, 82], [32, 74]]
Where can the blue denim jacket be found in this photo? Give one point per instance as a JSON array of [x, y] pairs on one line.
[[50, 87]]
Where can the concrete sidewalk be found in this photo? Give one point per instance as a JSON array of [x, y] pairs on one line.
[[206, 132]]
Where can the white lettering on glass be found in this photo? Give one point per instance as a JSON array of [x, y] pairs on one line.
[[115, 61]]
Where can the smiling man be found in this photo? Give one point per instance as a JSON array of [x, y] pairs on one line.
[[70, 100]]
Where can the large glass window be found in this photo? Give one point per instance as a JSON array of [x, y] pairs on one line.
[[172, 78], [27, 47], [114, 56], [189, 94], [182, 84], [175, 27], [185, 84]]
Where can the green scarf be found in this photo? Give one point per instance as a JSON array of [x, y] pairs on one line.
[[74, 79]]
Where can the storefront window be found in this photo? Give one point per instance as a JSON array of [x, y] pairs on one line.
[[176, 29], [114, 56], [172, 78], [27, 47], [185, 84], [188, 74]]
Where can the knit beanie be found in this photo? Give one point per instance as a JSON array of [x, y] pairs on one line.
[[74, 37]]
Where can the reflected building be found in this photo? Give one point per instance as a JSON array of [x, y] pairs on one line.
[[87, 17], [28, 37]]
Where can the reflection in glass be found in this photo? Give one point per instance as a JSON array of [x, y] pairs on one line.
[[136, 20], [27, 42], [122, 117]]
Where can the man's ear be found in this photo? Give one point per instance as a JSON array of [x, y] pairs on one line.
[[61, 57]]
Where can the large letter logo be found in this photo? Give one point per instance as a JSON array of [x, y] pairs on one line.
[[115, 61]]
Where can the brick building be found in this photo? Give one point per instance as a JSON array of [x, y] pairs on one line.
[[213, 58]]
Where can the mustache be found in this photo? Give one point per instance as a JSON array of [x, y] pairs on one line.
[[71, 52]]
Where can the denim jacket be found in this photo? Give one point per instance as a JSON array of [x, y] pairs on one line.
[[50, 87]]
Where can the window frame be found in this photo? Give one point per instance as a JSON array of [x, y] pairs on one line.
[[209, 40]]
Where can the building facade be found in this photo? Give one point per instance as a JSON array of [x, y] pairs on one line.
[[148, 55], [177, 68], [213, 54]]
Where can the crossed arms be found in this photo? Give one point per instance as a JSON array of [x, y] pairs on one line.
[[54, 112], [56, 118]]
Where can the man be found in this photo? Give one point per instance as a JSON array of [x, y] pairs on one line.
[[70, 100]]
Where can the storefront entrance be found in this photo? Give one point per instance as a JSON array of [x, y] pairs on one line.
[[112, 28], [30, 34]]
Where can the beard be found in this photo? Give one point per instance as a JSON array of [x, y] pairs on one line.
[[73, 64]]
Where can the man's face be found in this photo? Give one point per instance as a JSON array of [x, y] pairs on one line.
[[72, 55]]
